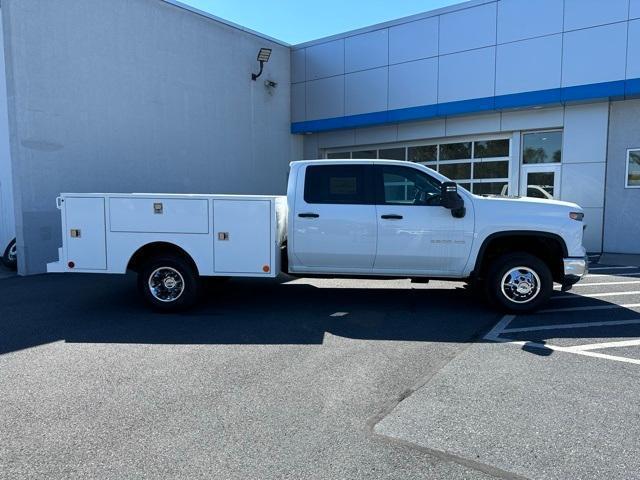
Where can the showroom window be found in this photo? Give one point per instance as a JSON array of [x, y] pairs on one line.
[[542, 147], [633, 169], [481, 166]]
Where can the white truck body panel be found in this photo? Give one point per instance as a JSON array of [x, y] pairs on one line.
[[232, 235], [113, 227]]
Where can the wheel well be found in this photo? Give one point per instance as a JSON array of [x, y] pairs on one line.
[[550, 248], [156, 249]]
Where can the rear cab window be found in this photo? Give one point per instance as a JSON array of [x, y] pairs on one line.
[[339, 184]]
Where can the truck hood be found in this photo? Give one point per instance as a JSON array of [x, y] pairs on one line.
[[527, 201]]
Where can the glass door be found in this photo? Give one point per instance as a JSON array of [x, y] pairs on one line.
[[540, 181]]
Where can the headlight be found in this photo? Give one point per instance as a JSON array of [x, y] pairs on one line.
[[576, 216]]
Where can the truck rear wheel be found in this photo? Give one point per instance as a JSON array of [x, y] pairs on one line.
[[519, 282], [169, 283], [10, 257]]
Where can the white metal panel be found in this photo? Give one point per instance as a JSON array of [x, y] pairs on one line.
[[366, 91], [87, 217], [369, 50], [413, 84], [633, 55], [634, 9], [593, 219], [325, 60], [467, 75], [466, 29], [420, 130], [373, 135], [248, 224], [589, 13], [585, 133], [529, 65], [521, 19], [336, 138], [298, 65], [7, 214], [413, 40], [594, 55], [298, 102], [178, 215], [583, 183], [473, 124], [533, 119], [325, 98]]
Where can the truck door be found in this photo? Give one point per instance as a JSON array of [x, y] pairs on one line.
[[415, 233], [335, 218]]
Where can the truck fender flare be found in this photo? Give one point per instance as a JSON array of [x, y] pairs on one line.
[[517, 233]]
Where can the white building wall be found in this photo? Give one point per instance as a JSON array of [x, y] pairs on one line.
[[474, 50]]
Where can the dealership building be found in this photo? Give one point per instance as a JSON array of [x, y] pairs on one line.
[[509, 97]]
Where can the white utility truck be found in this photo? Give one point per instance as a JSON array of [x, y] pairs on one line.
[[351, 218]]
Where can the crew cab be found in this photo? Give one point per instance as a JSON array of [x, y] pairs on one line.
[[349, 218]]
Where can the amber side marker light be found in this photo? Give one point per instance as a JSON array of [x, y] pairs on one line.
[[266, 269], [576, 216]]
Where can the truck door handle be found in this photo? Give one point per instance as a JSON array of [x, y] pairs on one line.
[[391, 217], [308, 215]]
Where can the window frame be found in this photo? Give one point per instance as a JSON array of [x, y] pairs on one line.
[[378, 183], [626, 170], [369, 193]]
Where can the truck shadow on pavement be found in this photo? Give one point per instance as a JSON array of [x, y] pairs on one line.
[[107, 309]]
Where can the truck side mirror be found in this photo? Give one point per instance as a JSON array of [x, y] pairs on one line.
[[451, 200]]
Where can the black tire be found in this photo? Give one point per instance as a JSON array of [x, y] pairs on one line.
[[504, 278], [163, 272], [9, 258]]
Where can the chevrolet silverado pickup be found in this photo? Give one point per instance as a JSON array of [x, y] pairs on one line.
[[348, 218]]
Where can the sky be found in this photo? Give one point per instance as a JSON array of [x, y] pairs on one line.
[[297, 21]]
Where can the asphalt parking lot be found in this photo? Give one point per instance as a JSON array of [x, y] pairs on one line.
[[318, 379]]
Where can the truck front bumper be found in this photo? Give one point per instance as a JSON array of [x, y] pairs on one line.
[[575, 269]]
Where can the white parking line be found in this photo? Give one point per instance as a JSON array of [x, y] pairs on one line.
[[584, 350], [612, 268], [600, 346], [594, 307], [596, 295], [595, 275], [562, 326], [600, 284]]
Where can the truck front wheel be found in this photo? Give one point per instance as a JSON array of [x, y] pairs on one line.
[[519, 282], [169, 283]]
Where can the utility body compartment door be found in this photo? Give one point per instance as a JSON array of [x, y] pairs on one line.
[[85, 232], [242, 240]]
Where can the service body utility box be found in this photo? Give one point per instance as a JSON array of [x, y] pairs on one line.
[[224, 235]]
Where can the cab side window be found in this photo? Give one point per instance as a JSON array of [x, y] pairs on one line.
[[339, 184], [405, 186]]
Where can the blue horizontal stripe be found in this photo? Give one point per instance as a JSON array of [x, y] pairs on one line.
[[618, 90]]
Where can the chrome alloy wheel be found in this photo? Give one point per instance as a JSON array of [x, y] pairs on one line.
[[166, 284], [13, 253], [520, 284]]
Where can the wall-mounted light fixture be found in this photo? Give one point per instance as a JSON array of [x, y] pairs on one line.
[[263, 57]]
